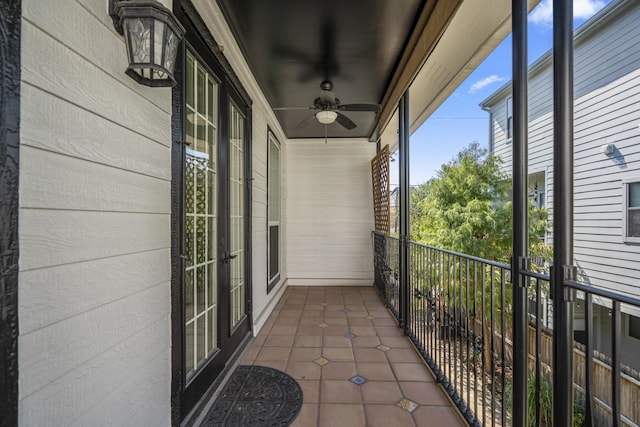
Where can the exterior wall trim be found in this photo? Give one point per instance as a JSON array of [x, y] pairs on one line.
[[10, 66]]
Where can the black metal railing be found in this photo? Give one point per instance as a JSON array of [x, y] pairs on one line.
[[459, 317]]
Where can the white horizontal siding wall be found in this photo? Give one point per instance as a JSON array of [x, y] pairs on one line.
[[329, 212], [606, 111], [94, 344], [262, 118]]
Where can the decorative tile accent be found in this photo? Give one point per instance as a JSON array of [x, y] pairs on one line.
[[321, 361], [383, 347], [358, 380], [369, 317], [322, 325], [349, 335], [407, 405], [345, 310]]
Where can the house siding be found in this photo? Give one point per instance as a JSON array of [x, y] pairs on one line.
[[330, 212], [94, 231], [606, 111], [94, 226]]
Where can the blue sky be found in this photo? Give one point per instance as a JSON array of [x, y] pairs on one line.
[[459, 120]]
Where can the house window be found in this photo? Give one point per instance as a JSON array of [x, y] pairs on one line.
[[509, 118], [634, 327], [631, 226], [273, 202]]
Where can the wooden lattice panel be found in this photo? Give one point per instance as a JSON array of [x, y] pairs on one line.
[[380, 180]]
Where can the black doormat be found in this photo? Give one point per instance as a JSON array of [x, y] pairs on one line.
[[256, 396]]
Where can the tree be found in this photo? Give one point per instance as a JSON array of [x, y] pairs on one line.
[[465, 208]]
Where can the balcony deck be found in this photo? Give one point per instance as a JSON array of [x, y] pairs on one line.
[[325, 336]]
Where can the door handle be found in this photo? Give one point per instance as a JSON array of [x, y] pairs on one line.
[[228, 258]]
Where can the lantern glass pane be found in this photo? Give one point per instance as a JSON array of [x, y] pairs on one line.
[[159, 28], [171, 50], [138, 30]]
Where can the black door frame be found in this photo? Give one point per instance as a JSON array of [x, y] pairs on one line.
[[184, 397], [10, 23]]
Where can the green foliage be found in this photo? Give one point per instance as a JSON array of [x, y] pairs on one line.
[[466, 209], [546, 403], [460, 210]]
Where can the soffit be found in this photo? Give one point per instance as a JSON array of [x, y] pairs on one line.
[[293, 45]]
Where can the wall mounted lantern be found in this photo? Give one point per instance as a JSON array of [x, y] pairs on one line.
[[152, 35]]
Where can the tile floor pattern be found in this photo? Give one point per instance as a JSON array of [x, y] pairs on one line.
[[353, 363]]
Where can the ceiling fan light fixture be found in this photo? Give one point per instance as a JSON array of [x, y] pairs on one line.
[[326, 117]]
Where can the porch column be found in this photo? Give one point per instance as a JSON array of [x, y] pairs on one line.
[[562, 212], [520, 261], [403, 148]]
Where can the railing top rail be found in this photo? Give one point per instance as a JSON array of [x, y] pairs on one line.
[[536, 275], [602, 293], [469, 257], [569, 283]]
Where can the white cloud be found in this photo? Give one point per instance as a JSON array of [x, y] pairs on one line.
[[485, 82], [582, 9]]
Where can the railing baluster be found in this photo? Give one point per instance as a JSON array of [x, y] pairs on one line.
[[485, 343], [475, 351], [538, 352], [588, 316], [503, 331], [466, 336], [453, 323], [615, 362], [491, 347], [448, 320]]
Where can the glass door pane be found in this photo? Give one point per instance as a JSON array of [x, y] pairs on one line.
[[236, 215], [201, 271]]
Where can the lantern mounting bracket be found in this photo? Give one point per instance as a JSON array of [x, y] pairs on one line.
[[114, 16]]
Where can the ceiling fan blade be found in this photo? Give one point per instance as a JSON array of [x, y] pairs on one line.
[[306, 121], [360, 107], [293, 108], [345, 121]]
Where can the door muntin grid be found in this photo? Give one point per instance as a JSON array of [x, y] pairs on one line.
[[201, 263], [237, 282]]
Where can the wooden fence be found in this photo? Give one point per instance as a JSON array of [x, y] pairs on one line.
[[629, 382]]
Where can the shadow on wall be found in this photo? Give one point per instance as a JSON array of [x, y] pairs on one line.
[[617, 157]]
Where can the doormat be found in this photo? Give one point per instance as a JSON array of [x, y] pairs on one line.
[[256, 396]]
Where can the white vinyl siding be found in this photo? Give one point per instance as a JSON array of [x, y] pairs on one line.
[[606, 111], [330, 212]]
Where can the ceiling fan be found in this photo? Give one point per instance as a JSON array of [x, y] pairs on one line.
[[329, 108]]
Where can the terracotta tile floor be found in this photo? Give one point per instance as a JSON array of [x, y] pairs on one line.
[[351, 360]]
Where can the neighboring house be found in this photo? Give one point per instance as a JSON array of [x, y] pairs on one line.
[[606, 158]]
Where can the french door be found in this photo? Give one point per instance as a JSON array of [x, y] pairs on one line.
[[215, 316]]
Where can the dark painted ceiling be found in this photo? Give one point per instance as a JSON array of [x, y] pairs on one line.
[[293, 45]]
